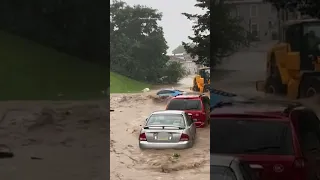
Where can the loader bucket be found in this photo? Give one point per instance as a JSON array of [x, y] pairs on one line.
[[260, 86]]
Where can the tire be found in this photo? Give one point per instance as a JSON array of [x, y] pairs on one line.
[[275, 86], [309, 87]]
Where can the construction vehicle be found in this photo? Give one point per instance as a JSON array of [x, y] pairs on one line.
[[293, 64], [201, 82]]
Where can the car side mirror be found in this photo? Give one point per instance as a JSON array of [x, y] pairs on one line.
[[189, 114], [146, 119]]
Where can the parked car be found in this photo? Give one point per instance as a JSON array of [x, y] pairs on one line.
[[168, 130], [279, 139], [198, 105], [224, 167], [169, 93]]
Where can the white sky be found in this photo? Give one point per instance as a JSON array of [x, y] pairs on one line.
[[176, 27]]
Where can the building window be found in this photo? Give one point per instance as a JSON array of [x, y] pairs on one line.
[[255, 30], [254, 11]]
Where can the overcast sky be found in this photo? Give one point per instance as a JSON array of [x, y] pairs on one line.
[[176, 27]]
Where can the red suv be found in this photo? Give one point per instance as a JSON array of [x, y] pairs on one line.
[[198, 106], [280, 140]]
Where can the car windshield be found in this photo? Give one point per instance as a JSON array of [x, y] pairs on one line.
[[184, 104], [250, 137], [221, 173], [166, 119]]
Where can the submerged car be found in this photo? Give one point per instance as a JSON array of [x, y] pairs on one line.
[[169, 93], [198, 105], [168, 130], [229, 167]]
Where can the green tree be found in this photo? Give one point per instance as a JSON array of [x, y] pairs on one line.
[[137, 44], [310, 7], [227, 34]]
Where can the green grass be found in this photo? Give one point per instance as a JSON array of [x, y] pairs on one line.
[[29, 71], [122, 84]]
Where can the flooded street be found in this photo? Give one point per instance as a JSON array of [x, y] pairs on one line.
[[128, 162], [239, 73]]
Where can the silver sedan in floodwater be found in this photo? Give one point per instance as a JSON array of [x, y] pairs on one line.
[[168, 129]]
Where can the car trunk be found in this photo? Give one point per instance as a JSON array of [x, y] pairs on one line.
[[271, 166], [163, 134], [196, 114]]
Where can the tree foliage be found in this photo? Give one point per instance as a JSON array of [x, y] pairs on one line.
[[137, 44], [310, 7], [226, 33]]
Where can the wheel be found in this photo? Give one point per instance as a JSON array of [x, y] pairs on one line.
[[309, 88], [275, 86]]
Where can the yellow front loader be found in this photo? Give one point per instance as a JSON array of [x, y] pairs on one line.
[[201, 82], [293, 65]]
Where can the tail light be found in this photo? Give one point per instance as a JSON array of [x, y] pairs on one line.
[[184, 137], [299, 163], [143, 137]]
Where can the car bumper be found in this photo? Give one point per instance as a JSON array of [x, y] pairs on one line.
[[154, 145]]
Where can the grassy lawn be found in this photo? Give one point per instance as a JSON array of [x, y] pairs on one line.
[[122, 84], [29, 71]]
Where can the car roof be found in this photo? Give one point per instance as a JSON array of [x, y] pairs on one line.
[[268, 108], [168, 89], [188, 96], [169, 112], [222, 160]]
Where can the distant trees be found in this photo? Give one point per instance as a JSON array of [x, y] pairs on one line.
[[217, 34], [77, 27], [137, 45]]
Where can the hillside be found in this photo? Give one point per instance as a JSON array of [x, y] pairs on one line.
[[122, 84], [29, 71]]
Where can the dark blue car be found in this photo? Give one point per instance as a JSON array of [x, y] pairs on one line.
[[169, 92]]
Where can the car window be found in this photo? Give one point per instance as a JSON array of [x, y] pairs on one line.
[[234, 136], [189, 120], [308, 130], [164, 92], [184, 104], [221, 173], [166, 119]]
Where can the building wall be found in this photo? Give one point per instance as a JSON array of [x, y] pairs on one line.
[[257, 16], [186, 61], [265, 17]]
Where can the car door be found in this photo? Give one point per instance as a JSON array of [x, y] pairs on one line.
[[191, 125], [308, 131]]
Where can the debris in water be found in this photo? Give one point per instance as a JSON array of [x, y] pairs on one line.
[[36, 158], [146, 90]]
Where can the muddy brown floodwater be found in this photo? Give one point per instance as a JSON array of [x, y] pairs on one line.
[[128, 162], [54, 140]]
